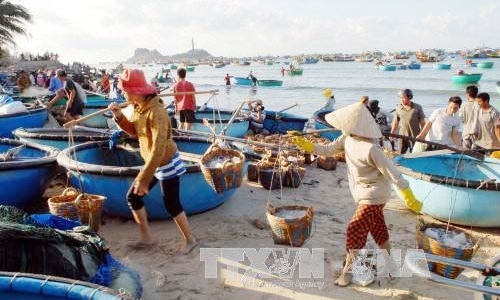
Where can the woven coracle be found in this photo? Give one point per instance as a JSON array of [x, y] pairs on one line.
[[326, 162], [229, 174], [433, 246], [292, 232], [86, 208]]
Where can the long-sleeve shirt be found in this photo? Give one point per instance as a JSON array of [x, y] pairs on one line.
[[152, 127], [369, 171]]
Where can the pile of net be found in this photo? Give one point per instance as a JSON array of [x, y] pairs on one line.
[[48, 245]]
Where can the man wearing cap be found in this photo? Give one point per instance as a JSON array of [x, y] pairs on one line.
[[370, 175], [409, 117], [74, 93], [162, 162]]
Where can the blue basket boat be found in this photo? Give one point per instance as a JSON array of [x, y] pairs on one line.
[[485, 64], [35, 116], [281, 122], [459, 188], [59, 137], [111, 172], [441, 66], [243, 81], [320, 123], [28, 286], [25, 177], [218, 120], [97, 103], [466, 78], [269, 82], [387, 68]]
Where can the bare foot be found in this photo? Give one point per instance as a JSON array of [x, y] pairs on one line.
[[187, 247], [141, 244], [343, 280]]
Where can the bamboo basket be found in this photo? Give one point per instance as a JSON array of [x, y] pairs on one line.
[[293, 232], [253, 172], [293, 176], [433, 246], [86, 208], [227, 176], [270, 178]]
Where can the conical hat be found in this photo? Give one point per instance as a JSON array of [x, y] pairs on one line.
[[354, 119]]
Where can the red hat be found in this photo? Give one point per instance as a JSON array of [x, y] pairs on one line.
[[132, 81]]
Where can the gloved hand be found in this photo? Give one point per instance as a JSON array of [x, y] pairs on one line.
[[303, 144], [495, 154], [410, 200], [294, 132], [114, 139]]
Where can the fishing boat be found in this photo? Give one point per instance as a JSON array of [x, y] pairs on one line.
[[32, 115], [25, 172], [414, 66], [32, 286], [269, 82], [485, 64], [100, 121], [281, 122], [454, 187], [190, 68], [99, 170], [466, 78], [388, 67], [321, 123], [296, 71], [243, 81], [442, 66], [219, 120], [59, 138]]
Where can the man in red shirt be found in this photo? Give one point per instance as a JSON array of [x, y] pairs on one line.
[[185, 104], [105, 86]]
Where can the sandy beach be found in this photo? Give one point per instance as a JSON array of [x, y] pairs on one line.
[[242, 223]]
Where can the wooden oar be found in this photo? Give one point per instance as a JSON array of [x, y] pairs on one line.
[[188, 93], [471, 153], [96, 113], [298, 133]]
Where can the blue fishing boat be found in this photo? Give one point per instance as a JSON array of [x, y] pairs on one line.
[[59, 138], [387, 67], [218, 120], [110, 173], [29, 286], [320, 123], [243, 81], [269, 82], [485, 64], [33, 116], [94, 105], [442, 66], [414, 66], [466, 78], [25, 172], [281, 122], [453, 187]]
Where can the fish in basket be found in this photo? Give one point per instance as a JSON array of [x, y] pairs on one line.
[[443, 241], [76, 206], [223, 168], [291, 225]]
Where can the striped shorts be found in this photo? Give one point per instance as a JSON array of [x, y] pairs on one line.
[[366, 219]]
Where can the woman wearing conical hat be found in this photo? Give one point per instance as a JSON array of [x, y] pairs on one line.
[[370, 175]]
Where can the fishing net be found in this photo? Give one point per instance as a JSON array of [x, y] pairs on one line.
[[51, 245]]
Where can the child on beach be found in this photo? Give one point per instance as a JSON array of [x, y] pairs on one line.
[[151, 125], [370, 175]]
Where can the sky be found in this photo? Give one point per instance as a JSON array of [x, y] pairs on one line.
[[93, 31]]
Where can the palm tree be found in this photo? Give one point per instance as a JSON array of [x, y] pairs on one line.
[[12, 20]]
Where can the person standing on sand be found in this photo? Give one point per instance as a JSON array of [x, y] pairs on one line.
[[468, 115], [151, 125], [409, 117], [184, 104], [487, 119], [370, 174]]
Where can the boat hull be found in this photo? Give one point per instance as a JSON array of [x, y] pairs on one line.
[[448, 186], [269, 82], [99, 121], [320, 123], [485, 65], [218, 121], [276, 122], [466, 78], [25, 178], [442, 66], [35, 117], [387, 68], [243, 81], [59, 137], [111, 173]]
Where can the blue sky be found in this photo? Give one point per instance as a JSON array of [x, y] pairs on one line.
[[94, 31]]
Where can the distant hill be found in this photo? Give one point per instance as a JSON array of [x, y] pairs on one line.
[[143, 55]]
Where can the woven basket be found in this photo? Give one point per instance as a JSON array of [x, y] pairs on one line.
[[433, 246], [326, 162], [270, 178], [293, 176], [229, 175], [253, 172], [293, 232], [71, 204]]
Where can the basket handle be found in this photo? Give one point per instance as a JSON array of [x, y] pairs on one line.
[[226, 162], [79, 199], [70, 190]]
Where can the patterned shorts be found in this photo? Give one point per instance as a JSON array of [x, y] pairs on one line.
[[366, 219]]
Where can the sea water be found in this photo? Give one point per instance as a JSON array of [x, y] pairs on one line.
[[349, 81]]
